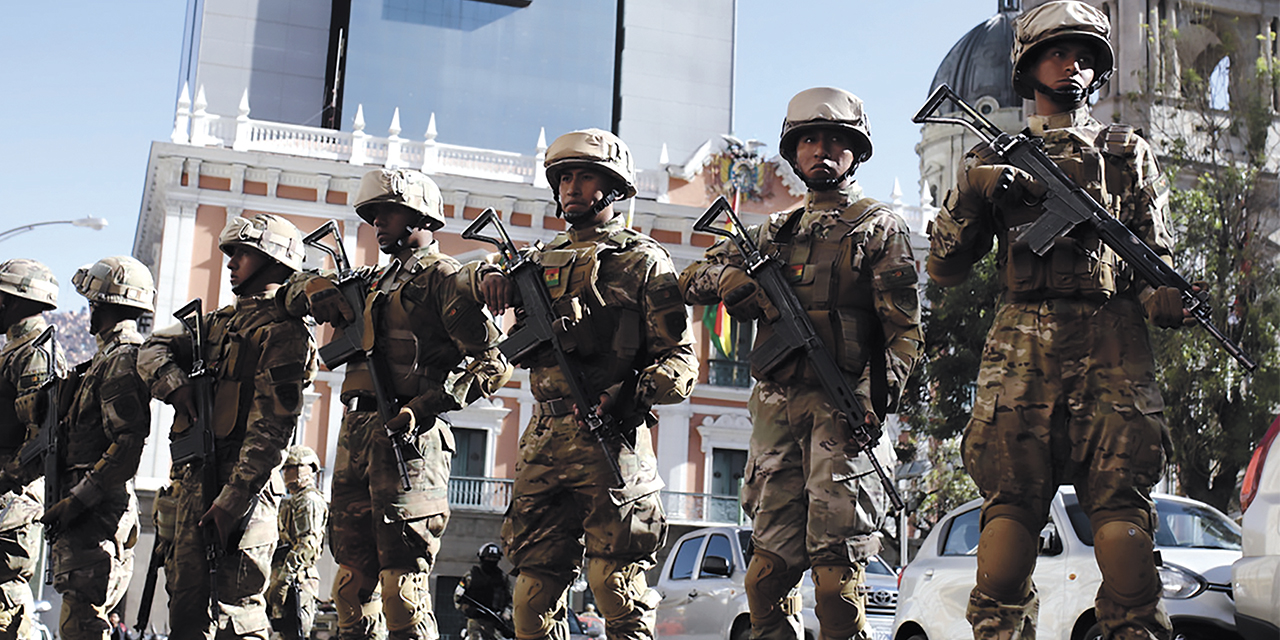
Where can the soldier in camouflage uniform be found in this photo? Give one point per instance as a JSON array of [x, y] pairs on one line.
[[616, 289], [27, 288], [262, 359], [105, 419], [814, 498], [1066, 391], [304, 517], [439, 349], [487, 584]]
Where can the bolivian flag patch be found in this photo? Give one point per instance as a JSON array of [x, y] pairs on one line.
[[795, 272], [551, 276]]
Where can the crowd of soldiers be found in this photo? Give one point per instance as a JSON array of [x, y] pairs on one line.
[[1066, 393]]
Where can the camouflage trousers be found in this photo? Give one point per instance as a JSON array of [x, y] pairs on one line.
[[482, 630], [378, 529], [814, 499], [19, 550], [242, 573], [16, 611], [292, 611], [92, 565], [1067, 395], [565, 503]]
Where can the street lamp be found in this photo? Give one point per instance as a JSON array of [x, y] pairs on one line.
[[91, 222]]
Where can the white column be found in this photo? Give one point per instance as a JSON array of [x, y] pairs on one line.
[[673, 444]]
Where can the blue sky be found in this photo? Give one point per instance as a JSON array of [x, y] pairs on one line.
[[90, 84]]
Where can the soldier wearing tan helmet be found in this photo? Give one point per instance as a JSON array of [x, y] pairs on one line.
[[27, 288], [263, 359], [304, 517], [616, 289], [105, 418], [439, 349], [815, 505], [1066, 390]]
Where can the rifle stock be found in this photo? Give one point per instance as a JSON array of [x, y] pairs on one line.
[[148, 596], [45, 446], [539, 328], [1067, 205], [793, 332], [349, 346]]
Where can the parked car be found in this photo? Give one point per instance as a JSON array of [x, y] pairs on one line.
[[704, 597], [1196, 542], [1255, 578]]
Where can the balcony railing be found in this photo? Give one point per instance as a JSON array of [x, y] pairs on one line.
[[493, 495]]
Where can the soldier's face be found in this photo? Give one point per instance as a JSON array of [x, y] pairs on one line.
[[1065, 64], [824, 154], [393, 225], [297, 476], [244, 262], [580, 189]]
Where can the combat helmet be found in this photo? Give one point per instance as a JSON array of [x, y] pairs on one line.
[[301, 455], [31, 280], [596, 149], [268, 233], [828, 108], [405, 187], [490, 552], [121, 280], [1055, 21]]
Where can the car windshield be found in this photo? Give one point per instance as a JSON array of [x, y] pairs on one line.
[[877, 566], [1182, 524]]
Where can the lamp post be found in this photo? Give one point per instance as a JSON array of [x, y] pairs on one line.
[[90, 222]]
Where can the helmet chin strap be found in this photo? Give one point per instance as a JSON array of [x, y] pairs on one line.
[[1071, 97], [608, 199], [826, 184]]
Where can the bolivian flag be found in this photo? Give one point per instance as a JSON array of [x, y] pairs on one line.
[[720, 327]]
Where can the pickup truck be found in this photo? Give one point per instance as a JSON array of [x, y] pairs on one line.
[[704, 598]]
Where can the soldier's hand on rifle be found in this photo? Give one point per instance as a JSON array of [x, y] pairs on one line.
[[1003, 184], [605, 405], [743, 298], [865, 434], [222, 521], [183, 400], [61, 515], [327, 304], [403, 422], [1164, 307], [498, 292]]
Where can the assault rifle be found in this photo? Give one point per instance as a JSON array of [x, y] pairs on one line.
[[293, 619], [149, 588], [793, 332], [197, 444], [349, 346], [45, 446], [486, 612], [1067, 205], [540, 324]]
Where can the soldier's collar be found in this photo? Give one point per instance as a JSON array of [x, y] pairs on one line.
[[246, 303], [596, 233], [410, 255], [834, 199], [1078, 117], [125, 331], [26, 327]]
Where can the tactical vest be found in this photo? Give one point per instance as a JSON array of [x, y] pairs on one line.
[[413, 365], [834, 286], [489, 588], [1078, 265]]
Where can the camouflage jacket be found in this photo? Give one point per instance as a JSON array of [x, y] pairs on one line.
[[262, 360], [430, 335], [850, 264], [1114, 164], [304, 517], [624, 318], [23, 371], [106, 424]]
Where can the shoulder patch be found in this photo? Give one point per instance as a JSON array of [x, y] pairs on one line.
[[1120, 140]]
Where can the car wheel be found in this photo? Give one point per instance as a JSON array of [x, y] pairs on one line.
[[741, 629], [1094, 633], [918, 636]]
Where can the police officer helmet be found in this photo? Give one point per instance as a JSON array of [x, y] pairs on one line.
[[121, 280], [31, 280], [594, 149], [827, 108], [268, 233], [301, 455], [1055, 21], [406, 187], [489, 552]]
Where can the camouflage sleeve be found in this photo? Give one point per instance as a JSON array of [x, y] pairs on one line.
[[126, 420], [286, 365], [292, 295], [476, 335], [1144, 207], [673, 367], [962, 233], [700, 281], [307, 534], [158, 363], [26, 372], [897, 302], [467, 279]]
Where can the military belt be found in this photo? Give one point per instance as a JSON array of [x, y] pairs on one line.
[[553, 408]]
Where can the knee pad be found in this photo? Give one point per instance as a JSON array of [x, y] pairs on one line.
[[355, 596], [537, 605], [406, 602], [770, 586], [619, 588], [838, 600], [1126, 556], [1006, 557]]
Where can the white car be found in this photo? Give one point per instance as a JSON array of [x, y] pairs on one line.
[[1196, 543], [1256, 576], [704, 598]]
